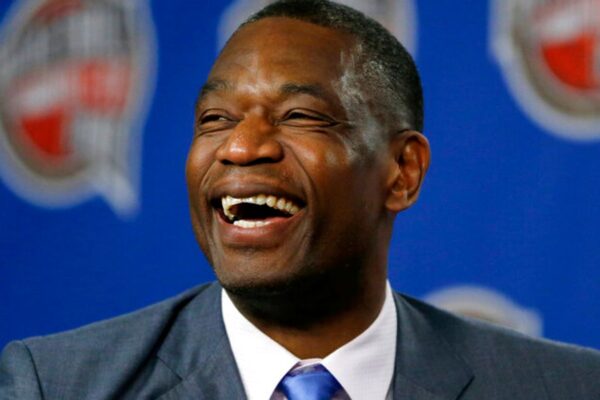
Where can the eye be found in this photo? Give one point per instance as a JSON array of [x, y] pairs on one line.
[[207, 118], [214, 120], [306, 118]]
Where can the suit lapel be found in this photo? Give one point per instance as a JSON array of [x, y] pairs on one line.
[[427, 367], [198, 351]]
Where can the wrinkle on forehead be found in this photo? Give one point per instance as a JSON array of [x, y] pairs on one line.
[[253, 79], [286, 89]]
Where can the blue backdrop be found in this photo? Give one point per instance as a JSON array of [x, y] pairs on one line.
[[509, 208]]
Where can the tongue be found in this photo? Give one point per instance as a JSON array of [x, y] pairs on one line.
[[255, 212]]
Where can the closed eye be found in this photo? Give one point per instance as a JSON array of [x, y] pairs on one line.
[[211, 121], [305, 118]]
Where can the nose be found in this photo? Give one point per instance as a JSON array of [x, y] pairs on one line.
[[252, 141]]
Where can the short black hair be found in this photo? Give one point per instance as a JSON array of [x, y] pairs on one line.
[[396, 71]]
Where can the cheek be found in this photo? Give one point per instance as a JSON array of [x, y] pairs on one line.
[[199, 160], [334, 172], [347, 174], [200, 157], [320, 154], [335, 169]]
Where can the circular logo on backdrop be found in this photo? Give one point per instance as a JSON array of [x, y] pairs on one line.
[[487, 305], [549, 52], [73, 77], [398, 16]]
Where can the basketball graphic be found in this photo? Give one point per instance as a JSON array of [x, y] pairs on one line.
[[549, 53], [74, 77]]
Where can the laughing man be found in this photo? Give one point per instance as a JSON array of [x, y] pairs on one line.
[[307, 144]]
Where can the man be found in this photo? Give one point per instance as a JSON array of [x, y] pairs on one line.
[[306, 146]]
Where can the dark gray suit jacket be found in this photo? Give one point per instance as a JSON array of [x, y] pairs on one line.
[[178, 349]]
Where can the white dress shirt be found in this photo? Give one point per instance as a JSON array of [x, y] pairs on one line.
[[364, 366]]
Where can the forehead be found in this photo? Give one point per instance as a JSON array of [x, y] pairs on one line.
[[275, 50]]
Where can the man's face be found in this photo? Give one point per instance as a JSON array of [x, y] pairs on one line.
[[284, 181]]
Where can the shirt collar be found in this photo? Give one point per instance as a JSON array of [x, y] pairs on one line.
[[364, 366], [261, 361]]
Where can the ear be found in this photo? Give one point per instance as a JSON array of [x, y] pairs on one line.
[[410, 160]]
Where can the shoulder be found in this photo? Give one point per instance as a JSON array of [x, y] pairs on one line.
[[497, 354], [128, 330], [112, 350]]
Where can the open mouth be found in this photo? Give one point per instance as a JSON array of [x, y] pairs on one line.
[[256, 211]]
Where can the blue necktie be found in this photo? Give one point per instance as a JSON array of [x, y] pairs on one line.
[[310, 383]]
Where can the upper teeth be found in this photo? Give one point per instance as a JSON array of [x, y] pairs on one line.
[[278, 203]]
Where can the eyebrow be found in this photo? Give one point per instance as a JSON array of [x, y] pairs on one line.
[[212, 86], [311, 90]]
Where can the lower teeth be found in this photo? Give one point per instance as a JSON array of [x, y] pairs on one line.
[[249, 224]]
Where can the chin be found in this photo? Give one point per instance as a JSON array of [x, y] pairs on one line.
[[260, 270], [298, 299], [258, 280]]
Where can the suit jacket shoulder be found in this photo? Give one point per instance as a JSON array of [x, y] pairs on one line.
[[457, 357], [178, 349], [145, 354]]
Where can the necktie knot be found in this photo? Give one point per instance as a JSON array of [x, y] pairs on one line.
[[313, 382]]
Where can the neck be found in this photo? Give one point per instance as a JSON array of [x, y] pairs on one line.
[[313, 322]]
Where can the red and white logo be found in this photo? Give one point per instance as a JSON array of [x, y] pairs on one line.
[[549, 51], [398, 16], [74, 76]]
